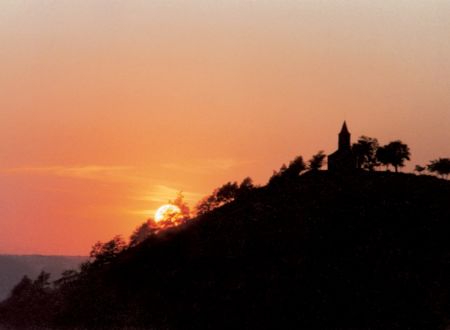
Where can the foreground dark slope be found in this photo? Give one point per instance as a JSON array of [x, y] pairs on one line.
[[319, 251]]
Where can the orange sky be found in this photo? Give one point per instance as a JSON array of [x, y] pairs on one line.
[[108, 108]]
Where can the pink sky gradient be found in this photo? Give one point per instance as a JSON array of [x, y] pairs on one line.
[[108, 108]]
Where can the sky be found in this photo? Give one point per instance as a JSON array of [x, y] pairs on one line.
[[108, 108]]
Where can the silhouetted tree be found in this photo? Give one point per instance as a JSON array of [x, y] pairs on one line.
[[440, 166], [31, 302], [104, 253], [247, 184], [67, 277], [23, 288], [287, 173], [206, 205], [365, 151], [42, 282], [419, 169], [295, 167], [317, 161], [245, 187], [142, 232], [225, 194], [395, 153], [182, 205]]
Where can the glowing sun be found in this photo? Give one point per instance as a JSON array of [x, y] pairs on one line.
[[167, 212]]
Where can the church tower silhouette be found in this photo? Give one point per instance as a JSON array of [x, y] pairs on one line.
[[343, 160]]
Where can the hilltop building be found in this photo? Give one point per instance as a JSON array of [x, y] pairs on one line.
[[343, 160]]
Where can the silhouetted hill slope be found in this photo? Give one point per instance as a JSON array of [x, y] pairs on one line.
[[364, 251], [14, 267]]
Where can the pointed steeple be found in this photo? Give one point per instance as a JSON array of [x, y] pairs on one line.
[[344, 129], [344, 138]]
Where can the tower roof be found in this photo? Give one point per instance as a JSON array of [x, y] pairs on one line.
[[344, 129]]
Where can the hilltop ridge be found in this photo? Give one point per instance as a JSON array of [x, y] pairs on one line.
[[366, 250]]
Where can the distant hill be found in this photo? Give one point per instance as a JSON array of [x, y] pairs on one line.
[[317, 251], [14, 267]]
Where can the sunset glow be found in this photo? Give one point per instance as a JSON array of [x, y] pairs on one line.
[[167, 212], [109, 108]]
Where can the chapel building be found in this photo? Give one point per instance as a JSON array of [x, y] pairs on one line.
[[343, 160]]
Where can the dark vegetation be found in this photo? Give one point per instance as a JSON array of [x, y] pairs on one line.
[[439, 166], [367, 250], [369, 154], [14, 267]]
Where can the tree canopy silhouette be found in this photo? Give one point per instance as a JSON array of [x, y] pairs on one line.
[[317, 161], [286, 173], [225, 194], [395, 153], [105, 253], [30, 299], [440, 166], [23, 288], [144, 231], [365, 151], [182, 205]]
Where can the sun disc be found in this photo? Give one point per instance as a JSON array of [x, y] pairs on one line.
[[166, 211]]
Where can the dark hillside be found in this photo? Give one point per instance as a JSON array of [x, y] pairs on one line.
[[364, 251]]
